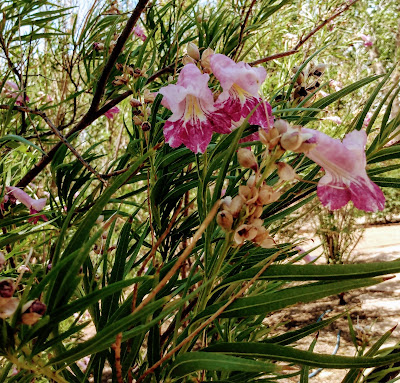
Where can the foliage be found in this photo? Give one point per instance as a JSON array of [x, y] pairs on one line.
[[133, 269]]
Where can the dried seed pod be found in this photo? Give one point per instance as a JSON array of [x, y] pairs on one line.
[[193, 51], [225, 220], [247, 159]]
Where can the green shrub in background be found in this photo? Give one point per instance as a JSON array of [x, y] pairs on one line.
[[117, 252]]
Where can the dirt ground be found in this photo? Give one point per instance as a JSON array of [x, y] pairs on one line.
[[376, 308]]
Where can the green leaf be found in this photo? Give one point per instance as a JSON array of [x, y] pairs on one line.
[[210, 361], [13, 137], [306, 358]]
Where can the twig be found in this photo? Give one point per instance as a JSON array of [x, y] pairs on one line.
[[93, 113], [9, 62], [182, 257], [153, 251], [58, 134], [304, 39], [242, 28], [117, 351], [210, 320]]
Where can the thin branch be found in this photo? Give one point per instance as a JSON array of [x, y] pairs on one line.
[[117, 351], [37, 112], [93, 113], [304, 39], [210, 320], [9, 62], [242, 28]]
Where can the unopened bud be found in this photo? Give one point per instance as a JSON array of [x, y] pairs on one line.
[[7, 288], [249, 195], [234, 206], [225, 220], [193, 51], [291, 140], [188, 60], [100, 219], [137, 120], [270, 138], [282, 126], [119, 67], [8, 306], [2, 259], [286, 172], [245, 232], [319, 70], [32, 312], [148, 96], [267, 195], [98, 46], [205, 59], [135, 102], [247, 159]]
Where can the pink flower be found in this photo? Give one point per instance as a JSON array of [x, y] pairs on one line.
[[241, 85], [367, 119], [34, 205], [323, 93], [335, 119], [367, 39], [345, 176], [12, 91], [110, 113], [337, 85], [139, 32], [194, 116]]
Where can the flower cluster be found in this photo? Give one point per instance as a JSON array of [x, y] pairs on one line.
[[196, 115]]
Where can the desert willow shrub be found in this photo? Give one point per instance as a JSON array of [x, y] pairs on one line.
[[149, 156]]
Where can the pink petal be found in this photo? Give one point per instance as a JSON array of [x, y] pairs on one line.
[[12, 85], [228, 72], [139, 32], [333, 195], [20, 195], [366, 195]]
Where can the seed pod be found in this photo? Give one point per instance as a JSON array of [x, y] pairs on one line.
[[286, 172], [225, 220], [247, 159], [193, 51]]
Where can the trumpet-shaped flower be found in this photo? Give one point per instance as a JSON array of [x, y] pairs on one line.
[[110, 113], [241, 85], [194, 116], [345, 176], [11, 90], [34, 205], [368, 42], [139, 32]]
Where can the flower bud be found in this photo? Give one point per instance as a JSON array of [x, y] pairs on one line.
[[135, 102], [2, 259], [247, 159], [148, 96], [188, 60], [100, 219], [286, 172], [267, 195], [257, 212], [225, 220], [98, 46], [291, 140], [319, 70], [205, 59], [137, 120], [245, 232], [282, 126], [270, 138], [119, 66], [193, 51], [32, 312], [249, 195], [8, 306], [234, 206], [7, 288]]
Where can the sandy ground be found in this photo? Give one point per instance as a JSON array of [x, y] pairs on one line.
[[376, 308]]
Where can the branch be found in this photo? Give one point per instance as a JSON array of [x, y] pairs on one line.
[[9, 62], [93, 113], [304, 39], [37, 112]]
